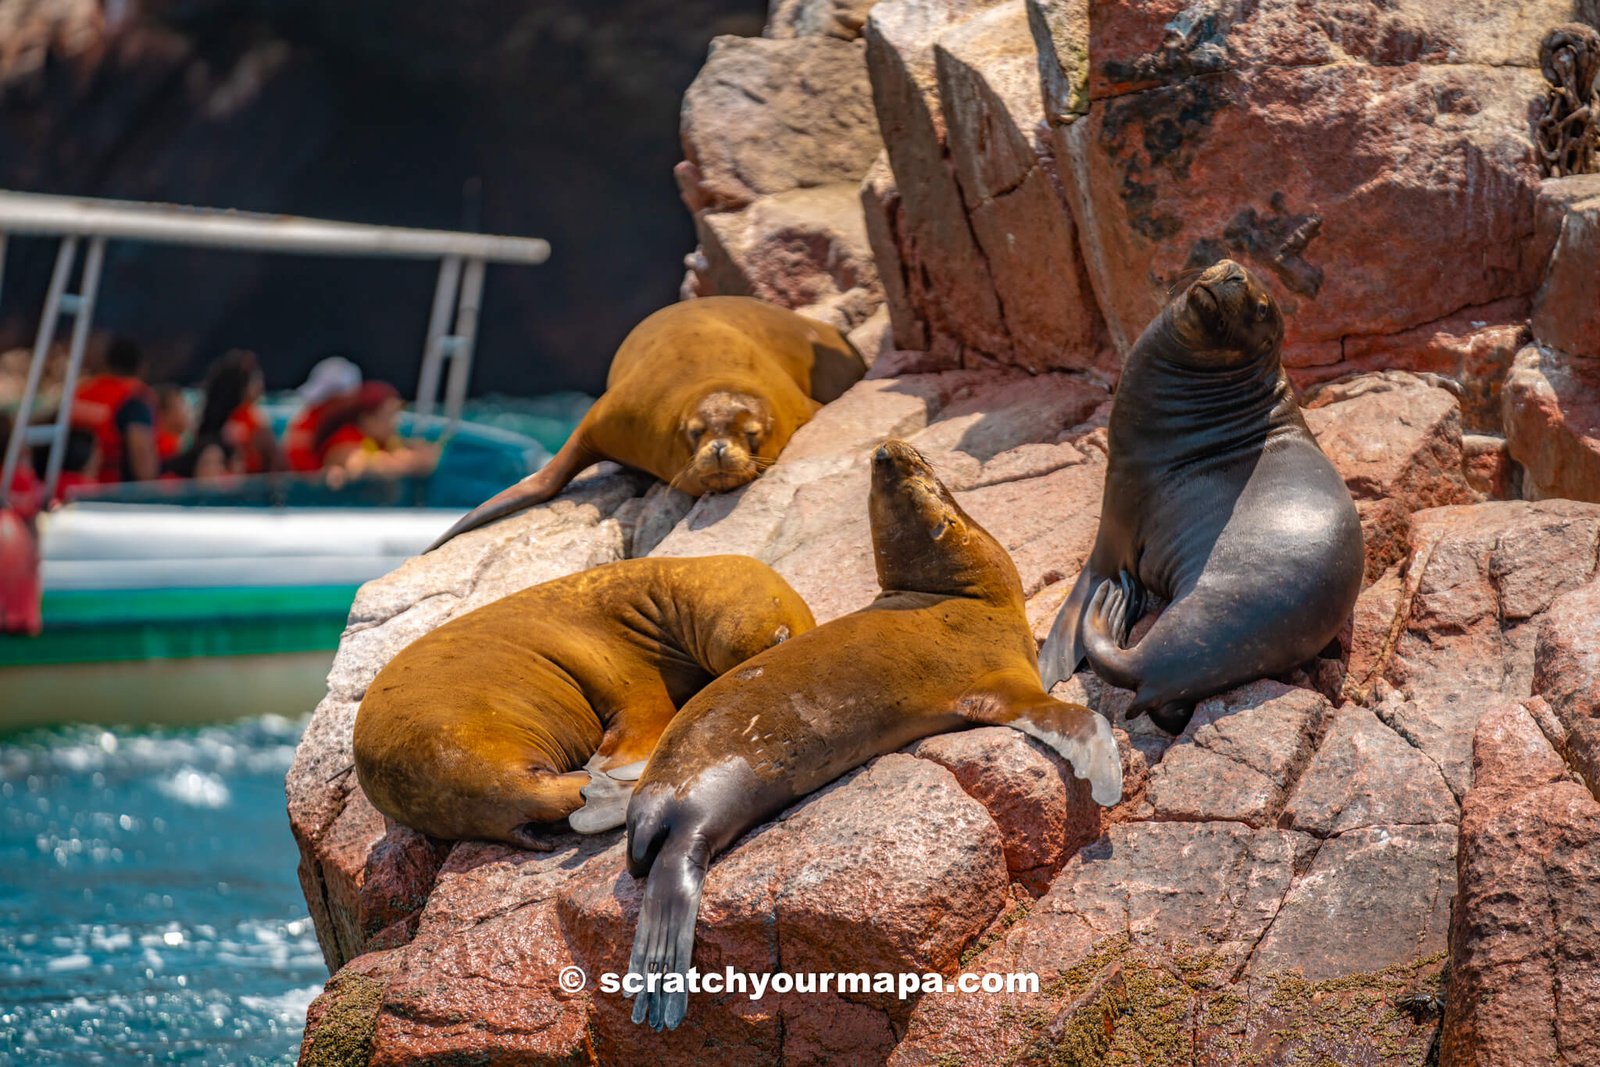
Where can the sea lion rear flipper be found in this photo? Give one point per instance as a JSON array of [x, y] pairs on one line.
[[1077, 734], [536, 488], [675, 858], [605, 798]]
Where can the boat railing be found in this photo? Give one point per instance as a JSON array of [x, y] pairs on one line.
[[452, 324]]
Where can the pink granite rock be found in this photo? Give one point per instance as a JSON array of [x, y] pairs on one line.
[[805, 249], [766, 116], [1566, 673], [1552, 421], [1396, 439], [1566, 309], [988, 78], [1524, 943], [1167, 159]]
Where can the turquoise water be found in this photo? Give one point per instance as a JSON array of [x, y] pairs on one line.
[[149, 910]]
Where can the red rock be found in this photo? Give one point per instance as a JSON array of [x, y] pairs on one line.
[[1043, 811], [1488, 466], [945, 280], [1061, 38], [893, 869], [1566, 310], [1470, 350], [1169, 169], [1566, 672], [1482, 573], [988, 76], [1372, 898], [1552, 420], [481, 979], [1380, 612], [1524, 943], [1397, 441], [766, 116], [1365, 775], [884, 213], [805, 249], [817, 18], [1238, 756]]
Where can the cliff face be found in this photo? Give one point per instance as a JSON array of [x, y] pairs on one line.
[[1385, 857], [553, 120]]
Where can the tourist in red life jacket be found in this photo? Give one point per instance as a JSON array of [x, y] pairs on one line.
[[117, 408], [359, 437], [331, 381], [247, 429], [19, 547], [173, 422]]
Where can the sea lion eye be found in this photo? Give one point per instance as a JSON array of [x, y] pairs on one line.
[[752, 440], [1261, 309], [695, 433]]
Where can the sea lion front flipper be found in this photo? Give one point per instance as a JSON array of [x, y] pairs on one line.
[[571, 460], [1063, 649], [605, 798], [1077, 734], [1105, 627]]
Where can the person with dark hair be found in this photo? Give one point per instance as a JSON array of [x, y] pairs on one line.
[[117, 407], [216, 448], [245, 428], [359, 436]]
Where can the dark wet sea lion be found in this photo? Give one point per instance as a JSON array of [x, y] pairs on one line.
[[946, 645], [703, 394], [1217, 500], [544, 704]]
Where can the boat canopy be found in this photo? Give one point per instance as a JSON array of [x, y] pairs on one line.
[[452, 326]]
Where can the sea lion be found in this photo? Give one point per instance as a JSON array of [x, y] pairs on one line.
[[544, 704], [1217, 500], [703, 394], [946, 645]]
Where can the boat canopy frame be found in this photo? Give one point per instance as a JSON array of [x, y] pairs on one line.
[[452, 323]]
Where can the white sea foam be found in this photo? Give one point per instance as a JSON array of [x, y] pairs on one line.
[[197, 788]]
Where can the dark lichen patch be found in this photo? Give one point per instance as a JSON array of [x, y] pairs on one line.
[[1275, 241], [1125, 1005], [346, 1017], [1153, 138], [1194, 42]]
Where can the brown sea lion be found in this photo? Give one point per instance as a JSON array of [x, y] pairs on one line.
[[946, 645], [1217, 500], [544, 704], [702, 394]]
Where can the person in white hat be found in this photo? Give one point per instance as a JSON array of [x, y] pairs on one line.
[[331, 380]]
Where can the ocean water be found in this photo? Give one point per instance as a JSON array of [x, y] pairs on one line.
[[149, 909]]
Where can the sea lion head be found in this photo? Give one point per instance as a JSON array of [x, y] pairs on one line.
[[1226, 318], [921, 539], [726, 434]]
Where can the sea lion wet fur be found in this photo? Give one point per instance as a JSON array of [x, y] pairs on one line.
[[1217, 500], [703, 394], [946, 645], [543, 705]]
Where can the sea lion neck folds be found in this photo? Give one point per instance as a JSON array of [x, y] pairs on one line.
[[1218, 501], [947, 645]]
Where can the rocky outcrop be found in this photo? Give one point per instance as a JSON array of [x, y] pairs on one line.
[[1255, 874], [1320, 860], [778, 133]]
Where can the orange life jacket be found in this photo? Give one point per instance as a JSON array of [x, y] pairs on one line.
[[240, 430], [95, 407], [300, 439]]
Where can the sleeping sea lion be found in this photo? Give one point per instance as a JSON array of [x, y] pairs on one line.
[[544, 704], [946, 645], [702, 394], [1217, 500]]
